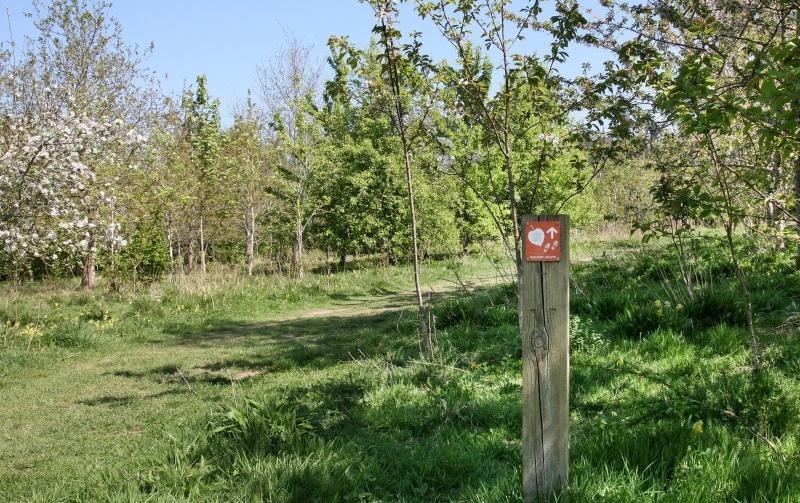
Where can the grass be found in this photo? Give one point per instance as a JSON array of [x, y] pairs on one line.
[[254, 390]]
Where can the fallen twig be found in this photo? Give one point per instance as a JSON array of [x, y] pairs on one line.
[[185, 380]]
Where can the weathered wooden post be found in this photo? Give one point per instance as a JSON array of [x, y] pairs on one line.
[[544, 322]]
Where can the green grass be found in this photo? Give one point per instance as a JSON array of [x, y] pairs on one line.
[[257, 390]]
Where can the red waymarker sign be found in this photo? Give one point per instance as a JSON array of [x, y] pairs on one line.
[[543, 241]]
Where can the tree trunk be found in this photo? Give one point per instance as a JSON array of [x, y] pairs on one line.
[[342, 261], [191, 258], [297, 248], [202, 248], [424, 327], [179, 258], [250, 227], [168, 224], [755, 345], [88, 273], [14, 278], [729, 224], [250, 255], [775, 180], [797, 210], [512, 199], [399, 119]]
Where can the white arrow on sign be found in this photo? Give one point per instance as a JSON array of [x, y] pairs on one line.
[[552, 231]]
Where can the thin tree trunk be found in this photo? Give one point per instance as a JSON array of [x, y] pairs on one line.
[[297, 248], [14, 278], [179, 260], [683, 259], [112, 270], [191, 258], [424, 328], [250, 227], [399, 119], [729, 227], [775, 216], [508, 149], [168, 222], [797, 210], [88, 272], [249, 253], [512, 198], [754, 343], [202, 247], [775, 180]]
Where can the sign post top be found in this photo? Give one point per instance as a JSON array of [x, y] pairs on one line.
[[542, 241]]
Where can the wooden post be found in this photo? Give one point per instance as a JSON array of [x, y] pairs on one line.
[[544, 322]]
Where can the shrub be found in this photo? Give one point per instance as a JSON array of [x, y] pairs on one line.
[[604, 306], [145, 257], [637, 319]]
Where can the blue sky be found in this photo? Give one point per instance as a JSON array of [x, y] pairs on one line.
[[227, 39]]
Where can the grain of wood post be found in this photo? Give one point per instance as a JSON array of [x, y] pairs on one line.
[[544, 322]]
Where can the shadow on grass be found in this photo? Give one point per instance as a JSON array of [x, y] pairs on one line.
[[351, 329], [118, 401], [316, 340], [171, 374]]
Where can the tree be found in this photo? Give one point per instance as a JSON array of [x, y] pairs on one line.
[[525, 123], [366, 208], [289, 89], [409, 105], [80, 100], [201, 128], [44, 184], [166, 183], [83, 68], [249, 171], [722, 75]]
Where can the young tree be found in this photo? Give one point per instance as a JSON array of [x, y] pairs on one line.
[[289, 87], [723, 75], [249, 171], [166, 183], [203, 136], [366, 203], [405, 70], [526, 123]]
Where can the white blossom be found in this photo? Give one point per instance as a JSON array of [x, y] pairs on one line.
[[48, 183]]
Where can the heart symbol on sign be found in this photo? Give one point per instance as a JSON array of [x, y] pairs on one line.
[[536, 236]]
